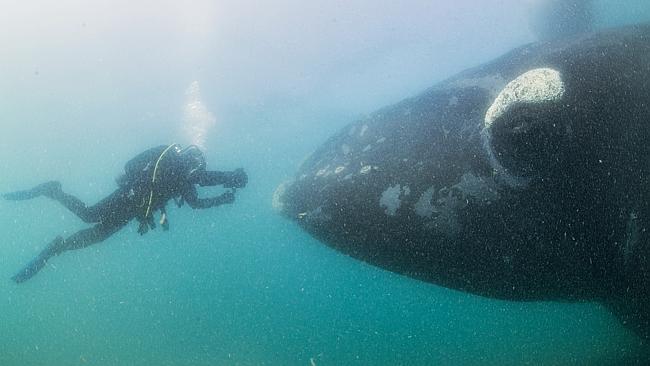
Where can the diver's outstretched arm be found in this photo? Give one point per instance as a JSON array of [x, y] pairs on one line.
[[192, 198], [235, 179], [53, 190], [81, 239]]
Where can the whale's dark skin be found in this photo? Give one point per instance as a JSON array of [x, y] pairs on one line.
[[550, 200]]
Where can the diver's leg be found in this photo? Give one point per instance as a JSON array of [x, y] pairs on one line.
[[93, 235], [81, 239], [75, 205], [114, 207], [53, 190], [38, 263], [44, 189]]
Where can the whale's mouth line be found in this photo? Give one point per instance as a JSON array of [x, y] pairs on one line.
[[501, 174], [519, 122]]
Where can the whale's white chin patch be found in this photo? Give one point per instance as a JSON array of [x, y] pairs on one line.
[[277, 200], [534, 86]]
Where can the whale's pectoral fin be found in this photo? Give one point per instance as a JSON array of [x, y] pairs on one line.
[[633, 311], [630, 298]]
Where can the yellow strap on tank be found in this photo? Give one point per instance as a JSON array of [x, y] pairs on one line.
[[153, 179]]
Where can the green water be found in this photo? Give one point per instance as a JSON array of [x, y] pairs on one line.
[[239, 285], [84, 88], [231, 287]]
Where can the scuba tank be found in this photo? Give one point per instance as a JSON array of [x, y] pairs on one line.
[[151, 175], [139, 169]]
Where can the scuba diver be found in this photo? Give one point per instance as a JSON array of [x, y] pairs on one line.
[[150, 180]]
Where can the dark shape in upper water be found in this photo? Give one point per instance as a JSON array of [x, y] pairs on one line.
[[551, 19], [527, 178]]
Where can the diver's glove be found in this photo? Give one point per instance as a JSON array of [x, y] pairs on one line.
[[143, 228], [145, 224], [236, 179]]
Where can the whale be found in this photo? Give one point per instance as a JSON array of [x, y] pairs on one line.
[[523, 179]]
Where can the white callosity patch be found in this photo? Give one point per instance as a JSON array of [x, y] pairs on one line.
[[364, 128], [315, 216], [323, 172], [391, 200], [535, 86], [277, 202], [477, 188], [423, 206], [365, 169], [441, 209]]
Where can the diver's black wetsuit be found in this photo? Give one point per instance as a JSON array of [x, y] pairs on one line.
[[151, 180]]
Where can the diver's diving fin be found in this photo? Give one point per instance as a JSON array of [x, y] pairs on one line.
[[47, 189], [39, 262]]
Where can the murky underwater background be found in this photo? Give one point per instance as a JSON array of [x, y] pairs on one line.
[[84, 87]]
